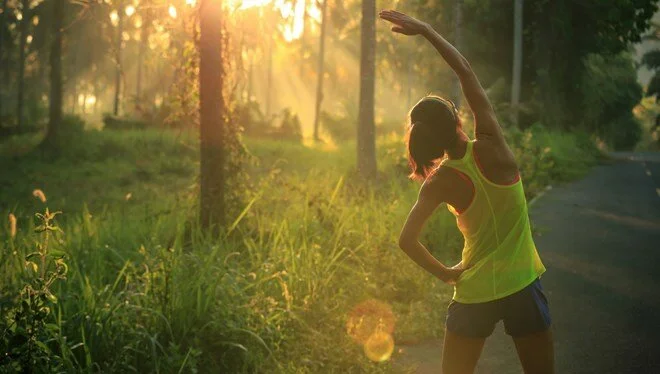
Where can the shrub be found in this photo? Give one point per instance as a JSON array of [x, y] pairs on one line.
[[256, 124], [339, 127], [120, 123]]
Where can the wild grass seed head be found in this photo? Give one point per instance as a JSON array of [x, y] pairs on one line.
[[39, 194], [12, 225]]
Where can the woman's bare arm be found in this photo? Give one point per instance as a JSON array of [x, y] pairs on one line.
[[485, 121], [428, 200]]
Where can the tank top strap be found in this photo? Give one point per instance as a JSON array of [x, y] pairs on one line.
[[466, 160]]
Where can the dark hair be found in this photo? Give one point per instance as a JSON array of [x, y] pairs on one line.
[[434, 125]]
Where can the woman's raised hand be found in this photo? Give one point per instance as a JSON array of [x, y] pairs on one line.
[[403, 24]]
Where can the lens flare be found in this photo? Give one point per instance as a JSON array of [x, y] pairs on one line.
[[379, 346], [369, 317]]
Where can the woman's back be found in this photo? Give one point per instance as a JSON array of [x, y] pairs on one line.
[[499, 250]]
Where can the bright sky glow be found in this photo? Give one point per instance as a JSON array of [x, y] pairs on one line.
[[191, 2], [294, 29], [245, 4], [292, 12], [35, 20], [172, 11], [29, 39], [130, 10], [90, 100]]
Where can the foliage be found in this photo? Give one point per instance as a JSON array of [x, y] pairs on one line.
[[340, 128], [30, 338], [119, 123], [251, 120], [610, 92], [148, 291]]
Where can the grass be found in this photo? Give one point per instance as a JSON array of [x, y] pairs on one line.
[[148, 291]]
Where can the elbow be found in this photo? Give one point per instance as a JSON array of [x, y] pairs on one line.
[[404, 242]]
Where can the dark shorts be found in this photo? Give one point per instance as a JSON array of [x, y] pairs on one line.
[[524, 312]]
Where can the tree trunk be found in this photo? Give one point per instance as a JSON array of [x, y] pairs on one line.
[[120, 37], [517, 60], [55, 102], [4, 60], [457, 94], [25, 11], [321, 71], [366, 142], [96, 97], [6, 51], [212, 115], [303, 45], [144, 36], [269, 76], [250, 77]]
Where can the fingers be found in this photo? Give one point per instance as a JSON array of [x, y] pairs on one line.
[[398, 29], [391, 15]]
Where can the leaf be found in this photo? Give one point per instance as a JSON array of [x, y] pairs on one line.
[[33, 254], [43, 346], [51, 297]]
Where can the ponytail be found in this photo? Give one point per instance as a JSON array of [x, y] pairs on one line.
[[433, 130]]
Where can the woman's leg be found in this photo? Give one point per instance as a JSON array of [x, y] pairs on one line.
[[536, 352], [460, 354]]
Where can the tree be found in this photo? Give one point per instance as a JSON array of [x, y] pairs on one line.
[[366, 142], [3, 25], [565, 33], [212, 115], [144, 39], [120, 32], [652, 61], [458, 43], [517, 59], [25, 13], [55, 103], [320, 71]]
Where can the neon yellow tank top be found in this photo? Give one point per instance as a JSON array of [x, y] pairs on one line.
[[499, 249]]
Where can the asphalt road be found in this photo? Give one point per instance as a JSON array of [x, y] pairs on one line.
[[599, 238]]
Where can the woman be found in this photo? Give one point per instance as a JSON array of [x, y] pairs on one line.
[[498, 276]]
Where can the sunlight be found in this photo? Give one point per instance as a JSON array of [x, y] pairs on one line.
[[172, 11], [90, 100], [114, 18], [245, 4], [191, 3], [130, 10], [294, 29]]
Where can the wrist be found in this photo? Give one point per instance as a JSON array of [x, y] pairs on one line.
[[427, 30], [441, 272]]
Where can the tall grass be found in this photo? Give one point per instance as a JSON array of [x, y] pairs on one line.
[[148, 291]]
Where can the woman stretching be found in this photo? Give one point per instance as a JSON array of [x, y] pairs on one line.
[[498, 276]]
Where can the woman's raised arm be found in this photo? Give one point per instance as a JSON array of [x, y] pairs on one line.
[[485, 121]]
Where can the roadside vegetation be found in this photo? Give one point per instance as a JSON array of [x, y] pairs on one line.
[[146, 290]]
